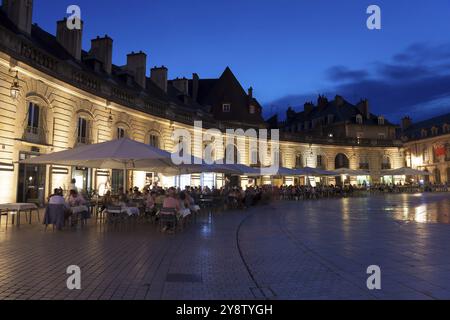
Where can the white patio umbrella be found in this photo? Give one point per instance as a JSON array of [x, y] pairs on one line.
[[313, 172], [350, 172], [405, 172], [117, 154]]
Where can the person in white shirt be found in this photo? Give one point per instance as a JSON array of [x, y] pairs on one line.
[[57, 198]]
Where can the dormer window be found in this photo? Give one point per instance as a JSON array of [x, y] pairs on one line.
[[252, 109], [381, 121], [226, 107], [434, 131], [424, 133], [446, 128], [359, 119]]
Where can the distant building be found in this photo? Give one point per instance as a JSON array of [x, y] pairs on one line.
[[337, 119], [427, 146]]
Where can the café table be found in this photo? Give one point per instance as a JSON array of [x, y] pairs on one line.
[[17, 208]]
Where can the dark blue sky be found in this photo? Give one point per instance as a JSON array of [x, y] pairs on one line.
[[288, 50]]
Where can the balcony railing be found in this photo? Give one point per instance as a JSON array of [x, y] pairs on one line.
[[341, 141], [84, 140], [34, 135]]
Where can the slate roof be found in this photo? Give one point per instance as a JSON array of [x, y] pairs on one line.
[[414, 132]]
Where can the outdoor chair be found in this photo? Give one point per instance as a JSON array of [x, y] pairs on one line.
[[55, 215], [114, 214], [168, 218]]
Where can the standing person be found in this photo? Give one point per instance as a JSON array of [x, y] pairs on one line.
[[73, 185]]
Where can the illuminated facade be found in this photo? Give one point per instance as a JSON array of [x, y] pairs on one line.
[[55, 96], [427, 147]]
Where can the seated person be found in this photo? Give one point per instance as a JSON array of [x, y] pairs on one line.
[[184, 205], [57, 198], [76, 199]]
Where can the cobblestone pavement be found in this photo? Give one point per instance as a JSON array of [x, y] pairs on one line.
[[317, 249]]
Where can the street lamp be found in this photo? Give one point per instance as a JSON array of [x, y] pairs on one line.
[[15, 88]]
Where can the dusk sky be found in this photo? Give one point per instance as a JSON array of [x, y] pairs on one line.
[[289, 51]]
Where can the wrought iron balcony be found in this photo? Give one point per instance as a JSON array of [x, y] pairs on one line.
[[35, 135]]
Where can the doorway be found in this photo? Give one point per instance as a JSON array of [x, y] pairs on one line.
[[31, 183]]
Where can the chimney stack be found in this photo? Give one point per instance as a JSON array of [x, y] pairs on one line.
[[309, 106], [71, 40], [20, 12], [363, 107], [159, 76], [182, 85], [101, 48], [339, 101], [406, 123], [195, 85], [137, 65], [322, 101]]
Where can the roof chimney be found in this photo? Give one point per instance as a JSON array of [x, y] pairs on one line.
[[195, 85], [101, 48], [322, 101], [309, 106], [159, 76], [406, 123], [363, 107], [182, 85], [137, 65], [20, 12], [71, 40]]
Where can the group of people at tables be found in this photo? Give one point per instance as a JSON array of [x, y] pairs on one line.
[[75, 205]]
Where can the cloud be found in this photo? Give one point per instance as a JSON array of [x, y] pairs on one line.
[[342, 73], [415, 82]]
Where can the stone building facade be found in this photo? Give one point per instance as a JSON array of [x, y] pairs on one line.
[[427, 147], [55, 96]]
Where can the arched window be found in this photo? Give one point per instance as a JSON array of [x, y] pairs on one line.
[[386, 164], [381, 120], [252, 109], [425, 155], [446, 128], [434, 131], [121, 132], [341, 161], [84, 130], [35, 125], [299, 161]]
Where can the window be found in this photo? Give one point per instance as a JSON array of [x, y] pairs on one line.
[[82, 135], [154, 140], [381, 121], [424, 133], [33, 118], [446, 128], [381, 136], [434, 131], [359, 119], [252, 109], [364, 162], [121, 133], [299, 161], [254, 158], [386, 164], [226, 107], [320, 162], [425, 155]]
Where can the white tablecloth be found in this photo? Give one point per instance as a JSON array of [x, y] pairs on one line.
[[131, 211], [79, 209], [18, 207]]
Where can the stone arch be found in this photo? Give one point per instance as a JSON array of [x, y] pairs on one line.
[[341, 161]]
